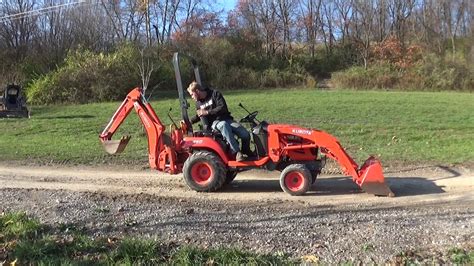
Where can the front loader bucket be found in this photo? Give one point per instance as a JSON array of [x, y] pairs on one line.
[[115, 146], [371, 179]]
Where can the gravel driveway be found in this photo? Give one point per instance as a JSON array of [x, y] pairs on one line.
[[432, 213]]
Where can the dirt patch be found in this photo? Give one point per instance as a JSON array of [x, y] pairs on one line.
[[432, 212]]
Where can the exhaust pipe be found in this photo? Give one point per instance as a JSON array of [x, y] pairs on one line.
[[372, 180]]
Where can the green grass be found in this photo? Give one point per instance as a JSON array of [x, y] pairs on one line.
[[18, 225], [460, 256], [399, 127], [454, 256], [49, 246]]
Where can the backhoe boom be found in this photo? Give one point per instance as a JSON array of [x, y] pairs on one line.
[[153, 126]]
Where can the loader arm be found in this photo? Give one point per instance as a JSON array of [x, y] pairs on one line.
[[369, 176], [152, 124]]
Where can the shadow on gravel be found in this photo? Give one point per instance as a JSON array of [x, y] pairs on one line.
[[331, 186], [406, 186], [412, 186], [449, 172], [254, 185]]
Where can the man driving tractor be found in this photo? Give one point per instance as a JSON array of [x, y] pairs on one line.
[[211, 109]]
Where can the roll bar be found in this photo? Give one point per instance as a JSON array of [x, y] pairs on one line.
[[179, 84]]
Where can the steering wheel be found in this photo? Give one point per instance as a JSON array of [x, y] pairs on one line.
[[249, 118]]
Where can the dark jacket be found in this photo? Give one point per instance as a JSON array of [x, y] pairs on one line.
[[215, 104]]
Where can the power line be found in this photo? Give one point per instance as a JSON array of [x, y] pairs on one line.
[[40, 11]]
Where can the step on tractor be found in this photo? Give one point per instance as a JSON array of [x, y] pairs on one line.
[[205, 160], [12, 103]]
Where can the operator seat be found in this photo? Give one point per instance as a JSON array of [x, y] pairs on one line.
[[11, 95]]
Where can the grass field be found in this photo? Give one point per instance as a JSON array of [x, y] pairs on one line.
[[399, 127]]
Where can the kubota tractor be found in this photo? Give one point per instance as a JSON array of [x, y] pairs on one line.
[[207, 165]]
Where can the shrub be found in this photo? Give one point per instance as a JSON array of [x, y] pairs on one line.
[[215, 54], [281, 78], [310, 82], [324, 63], [377, 76], [88, 77], [271, 78], [431, 73], [447, 73], [239, 78]]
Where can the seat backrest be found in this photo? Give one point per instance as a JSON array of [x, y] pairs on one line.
[[12, 94]]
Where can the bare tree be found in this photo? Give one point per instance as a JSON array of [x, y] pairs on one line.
[[262, 15], [55, 36], [381, 20], [452, 12], [431, 21], [364, 19], [344, 10], [126, 18], [310, 15], [144, 7], [327, 27], [284, 14], [400, 11], [145, 69], [18, 25], [470, 22], [165, 12], [91, 28]]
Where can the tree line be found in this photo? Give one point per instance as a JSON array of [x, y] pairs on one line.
[[37, 35]]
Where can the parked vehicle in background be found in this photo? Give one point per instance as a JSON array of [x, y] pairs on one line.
[[12, 102]]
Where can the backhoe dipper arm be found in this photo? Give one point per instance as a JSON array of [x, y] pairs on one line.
[[153, 126]]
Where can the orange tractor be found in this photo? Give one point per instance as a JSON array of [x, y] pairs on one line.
[[205, 160]]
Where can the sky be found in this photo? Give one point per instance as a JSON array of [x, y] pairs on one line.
[[227, 4]]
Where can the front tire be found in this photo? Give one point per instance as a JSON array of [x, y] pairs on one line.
[[203, 171], [295, 179]]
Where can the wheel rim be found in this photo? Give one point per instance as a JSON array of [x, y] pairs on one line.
[[294, 181], [201, 173]]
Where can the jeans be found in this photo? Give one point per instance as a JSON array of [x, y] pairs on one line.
[[229, 129]]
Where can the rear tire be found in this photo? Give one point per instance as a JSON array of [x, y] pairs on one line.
[[203, 171], [295, 179]]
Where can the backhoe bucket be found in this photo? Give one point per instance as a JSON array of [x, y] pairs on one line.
[[371, 179], [115, 146]]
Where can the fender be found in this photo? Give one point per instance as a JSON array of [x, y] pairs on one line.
[[205, 143]]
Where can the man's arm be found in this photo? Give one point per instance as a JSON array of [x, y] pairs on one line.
[[194, 119]]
